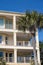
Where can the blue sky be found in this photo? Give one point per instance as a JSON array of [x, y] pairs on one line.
[[22, 6], [41, 35]]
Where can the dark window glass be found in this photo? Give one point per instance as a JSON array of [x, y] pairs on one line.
[[10, 55], [6, 54], [1, 54], [6, 40], [0, 39]]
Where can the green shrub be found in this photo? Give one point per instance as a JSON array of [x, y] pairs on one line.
[[2, 61]]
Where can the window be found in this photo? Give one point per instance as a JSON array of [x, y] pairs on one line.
[[6, 40], [6, 54], [1, 54], [9, 24], [10, 57], [1, 21], [10, 54], [0, 39]]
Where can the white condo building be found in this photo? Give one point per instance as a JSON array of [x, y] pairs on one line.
[[15, 46]]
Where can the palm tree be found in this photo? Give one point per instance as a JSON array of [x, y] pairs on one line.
[[37, 22], [32, 21]]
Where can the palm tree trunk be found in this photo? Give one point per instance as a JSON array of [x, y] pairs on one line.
[[34, 51]]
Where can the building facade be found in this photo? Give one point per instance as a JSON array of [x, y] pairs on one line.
[[15, 46]]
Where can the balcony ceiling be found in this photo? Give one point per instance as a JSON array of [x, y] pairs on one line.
[[24, 51], [9, 17], [22, 36], [6, 33]]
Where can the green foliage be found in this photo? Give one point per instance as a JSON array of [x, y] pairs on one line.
[[31, 20], [2, 61], [41, 44], [32, 62]]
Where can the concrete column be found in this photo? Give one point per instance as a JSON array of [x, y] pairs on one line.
[[15, 55], [14, 22], [14, 27], [14, 38], [24, 59], [38, 51]]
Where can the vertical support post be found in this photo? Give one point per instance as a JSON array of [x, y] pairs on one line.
[[14, 27], [15, 55], [14, 22], [24, 59], [14, 38]]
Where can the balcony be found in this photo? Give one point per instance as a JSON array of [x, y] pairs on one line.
[[24, 43]]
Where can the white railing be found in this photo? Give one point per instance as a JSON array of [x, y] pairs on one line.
[[19, 43], [24, 43], [23, 59], [9, 43]]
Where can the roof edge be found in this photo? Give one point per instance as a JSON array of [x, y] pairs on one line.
[[12, 12]]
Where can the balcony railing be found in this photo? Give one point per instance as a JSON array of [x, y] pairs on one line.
[[24, 43], [23, 59], [19, 43], [9, 42]]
